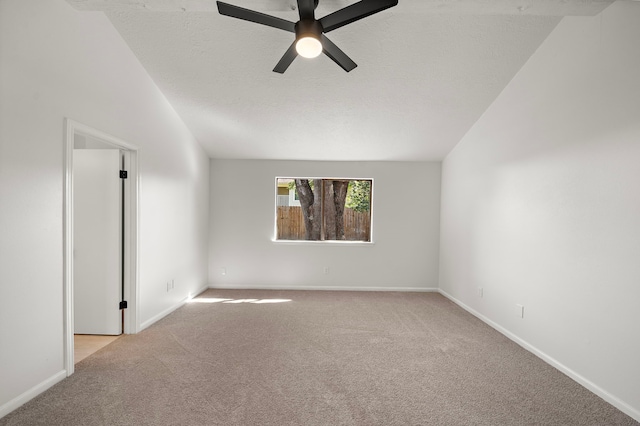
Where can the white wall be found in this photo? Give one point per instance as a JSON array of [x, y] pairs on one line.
[[56, 62], [406, 203], [541, 205]]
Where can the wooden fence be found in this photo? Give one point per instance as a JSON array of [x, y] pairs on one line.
[[357, 225]]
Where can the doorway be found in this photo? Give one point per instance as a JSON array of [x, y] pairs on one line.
[[98, 299]]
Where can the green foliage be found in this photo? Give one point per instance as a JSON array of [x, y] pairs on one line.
[[359, 195], [292, 184]]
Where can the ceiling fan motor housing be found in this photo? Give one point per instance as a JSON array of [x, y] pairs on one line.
[[308, 28]]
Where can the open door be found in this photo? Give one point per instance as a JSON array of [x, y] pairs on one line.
[[97, 241]]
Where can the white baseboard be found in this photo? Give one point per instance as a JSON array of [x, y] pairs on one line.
[[197, 292], [31, 393], [163, 314], [321, 288], [170, 309], [611, 399]]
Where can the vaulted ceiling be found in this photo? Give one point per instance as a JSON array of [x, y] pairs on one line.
[[427, 70]]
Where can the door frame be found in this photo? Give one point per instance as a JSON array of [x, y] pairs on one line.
[[131, 227]]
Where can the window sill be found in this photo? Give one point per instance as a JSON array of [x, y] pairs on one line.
[[323, 243]]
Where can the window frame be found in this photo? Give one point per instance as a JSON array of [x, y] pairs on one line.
[[324, 242]]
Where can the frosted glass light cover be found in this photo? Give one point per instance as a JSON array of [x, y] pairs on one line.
[[308, 47]]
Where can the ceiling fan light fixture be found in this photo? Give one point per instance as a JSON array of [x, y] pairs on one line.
[[308, 34], [308, 47]]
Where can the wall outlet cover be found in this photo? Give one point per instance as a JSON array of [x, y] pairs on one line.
[[520, 310]]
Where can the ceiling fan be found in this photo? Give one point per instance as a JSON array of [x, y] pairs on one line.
[[310, 32]]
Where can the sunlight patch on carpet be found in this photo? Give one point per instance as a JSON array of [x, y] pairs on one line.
[[221, 300]]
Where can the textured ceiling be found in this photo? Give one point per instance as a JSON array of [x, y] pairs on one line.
[[427, 70]]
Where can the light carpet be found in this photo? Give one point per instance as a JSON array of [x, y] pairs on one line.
[[247, 357]]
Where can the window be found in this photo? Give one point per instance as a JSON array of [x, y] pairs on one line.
[[333, 209]]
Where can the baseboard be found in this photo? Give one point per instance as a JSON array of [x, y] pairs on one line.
[[163, 314], [611, 399], [31, 393], [197, 292], [170, 309], [321, 288]]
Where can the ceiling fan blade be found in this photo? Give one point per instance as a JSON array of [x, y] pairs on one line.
[[253, 16], [337, 55], [286, 60], [354, 12], [306, 9]]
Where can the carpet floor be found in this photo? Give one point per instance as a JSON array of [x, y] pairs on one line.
[[247, 357]]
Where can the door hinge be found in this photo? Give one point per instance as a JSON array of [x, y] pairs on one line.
[[123, 304], [123, 174]]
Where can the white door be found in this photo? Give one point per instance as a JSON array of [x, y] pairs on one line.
[[97, 242]]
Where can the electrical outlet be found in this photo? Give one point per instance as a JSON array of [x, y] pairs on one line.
[[173, 284], [223, 271], [326, 270], [168, 286], [480, 292]]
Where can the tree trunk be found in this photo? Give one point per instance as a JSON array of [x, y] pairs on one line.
[[311, 208], [340, 188], [316, 225], [334, 194], [329, 211]]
